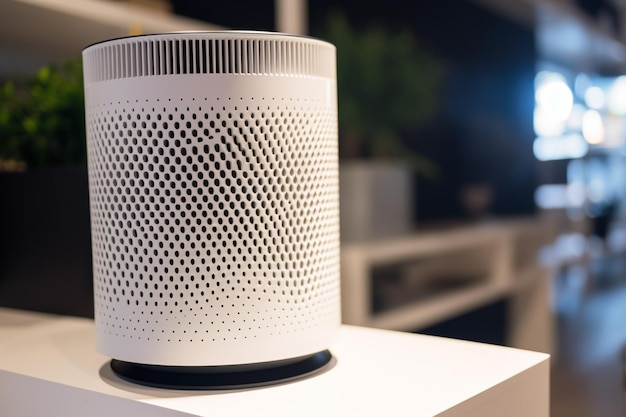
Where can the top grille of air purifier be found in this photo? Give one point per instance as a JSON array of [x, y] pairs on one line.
[[235, 54], [213, 182]]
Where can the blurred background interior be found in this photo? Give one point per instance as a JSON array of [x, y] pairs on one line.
[[483, 165]]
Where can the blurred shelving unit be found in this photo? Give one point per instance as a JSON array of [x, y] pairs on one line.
[[588, 48], [415, 281]]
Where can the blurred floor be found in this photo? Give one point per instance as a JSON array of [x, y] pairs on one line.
[[590, 306]]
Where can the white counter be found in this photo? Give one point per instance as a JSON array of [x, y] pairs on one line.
[[49, 367]]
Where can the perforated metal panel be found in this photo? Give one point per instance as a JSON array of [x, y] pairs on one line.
[[214, 197]]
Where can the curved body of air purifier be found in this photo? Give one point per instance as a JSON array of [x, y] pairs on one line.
[[213, 179]]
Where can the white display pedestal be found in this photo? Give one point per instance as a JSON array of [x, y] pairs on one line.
[[49, 367]]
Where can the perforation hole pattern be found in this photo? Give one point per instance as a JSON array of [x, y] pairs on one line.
[[213, 220]]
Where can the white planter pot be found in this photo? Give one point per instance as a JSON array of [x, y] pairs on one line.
[[376, 200]]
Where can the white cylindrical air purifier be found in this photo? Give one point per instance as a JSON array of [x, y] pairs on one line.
[[213, 179]]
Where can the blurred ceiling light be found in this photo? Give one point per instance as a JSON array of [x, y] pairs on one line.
[[576, 194], [553, 96], [582, 84], [614, 131], [616, 101], [560, 147], [594, 98], [551, 196], [558, 196], [545, 125], [575, 120], [571, 245], [593, 127], [596, 191], [576, 170]]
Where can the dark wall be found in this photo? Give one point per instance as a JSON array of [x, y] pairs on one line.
[[243, 15], [45, 252], [488, 108], [486, 324]]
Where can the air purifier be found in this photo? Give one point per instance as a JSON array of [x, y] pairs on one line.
[[214, 200]]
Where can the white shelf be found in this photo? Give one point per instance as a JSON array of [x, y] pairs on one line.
[[49, 366], [502, 256], [34, 33], [432, 311]]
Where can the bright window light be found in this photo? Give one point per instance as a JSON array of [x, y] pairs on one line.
[[596, 191], [575, 120], [571, 245], [558, 196], [560, 147], [614, 128], [576, 170], [593, 127], [553, 96], [616, 101], [581, 84], [594, 98], [546, 125], [576, 194], [551, 196]]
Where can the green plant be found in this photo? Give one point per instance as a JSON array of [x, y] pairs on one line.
[[386, 84], [42, 120]]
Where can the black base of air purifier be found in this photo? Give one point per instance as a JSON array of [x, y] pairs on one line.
[[221, 377]]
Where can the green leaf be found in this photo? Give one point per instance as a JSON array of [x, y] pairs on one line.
[[387, 83], [42, 117]]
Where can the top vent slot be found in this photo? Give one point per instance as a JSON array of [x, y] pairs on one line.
[[195, 53]]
